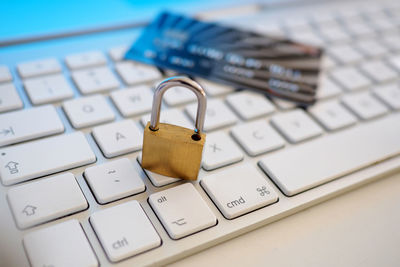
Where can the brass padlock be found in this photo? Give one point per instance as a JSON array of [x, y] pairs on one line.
[[173, 150]]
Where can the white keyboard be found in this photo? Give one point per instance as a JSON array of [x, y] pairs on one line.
[[71, 133]]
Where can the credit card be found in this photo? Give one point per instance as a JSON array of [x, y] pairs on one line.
[[243, 59]]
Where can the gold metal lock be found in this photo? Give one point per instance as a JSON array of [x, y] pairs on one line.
[[173, 150]]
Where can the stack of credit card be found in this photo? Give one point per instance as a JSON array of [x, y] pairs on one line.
[[243, 59]]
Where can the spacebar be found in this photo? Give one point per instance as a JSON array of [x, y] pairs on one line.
[[311, 164], [46, 156]]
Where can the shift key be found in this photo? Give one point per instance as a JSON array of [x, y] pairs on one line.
[[42, 157], [28, 124]]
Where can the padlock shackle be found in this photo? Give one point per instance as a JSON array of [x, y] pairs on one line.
[[179, 81]]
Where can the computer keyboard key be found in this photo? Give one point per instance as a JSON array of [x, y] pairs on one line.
[[296, 125], [350, 78], [219, 151], [283, 104], [85, 59], [389, 94], [371, 48], [9, 98], [124, 230], [88, 111], [118, 138], [47, 89], [394, 61], [333, 33], [239, 190], [133, 101], [392, 42], [46, 199], [28, 124], [62, 245], [38, 67], [215, 89], [257, 137], [327, 88], [378, 71], [333, 156], [156, 179], [218, 114], [250, 105], [182, 211], [42, 157], [114, 180], [332, 115], [117, 53], [134, 73], [95, 80], [5, 74], [345, 53], [171, 116], [364, 105]]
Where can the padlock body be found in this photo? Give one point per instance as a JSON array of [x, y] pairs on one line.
[[172, 152]]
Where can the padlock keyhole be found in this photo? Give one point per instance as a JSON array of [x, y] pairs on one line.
[[196, 137]]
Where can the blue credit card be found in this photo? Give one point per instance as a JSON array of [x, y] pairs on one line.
[[243, 59]]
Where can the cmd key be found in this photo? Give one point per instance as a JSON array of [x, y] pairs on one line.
[[42, 157]]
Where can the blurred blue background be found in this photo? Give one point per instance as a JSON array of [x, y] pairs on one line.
[[41, 17]]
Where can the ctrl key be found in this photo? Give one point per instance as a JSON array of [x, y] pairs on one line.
[[124, 231], [63, 244]]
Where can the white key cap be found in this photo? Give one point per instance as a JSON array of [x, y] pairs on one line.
[[284, 104], [239, 190], [332, 115], [136, 73], [371, 48], [178, 96], [28, 124], [42, 157], [257, 137], [389, 94], [307, 36], [48, 246], [219, 151], [156, 179], [333, 156], [118, 53], [45, 200], [327, 88], [114, 180], [378, 71], [364, 105], [9, 98], [328, 62], [86, 59], [334, 33], [38, 67], [171, 116], [345, 53], [215, 89], [133, 101], [250, 105], [350, 78], [359, 28], [124, 230], [392, 42], [118, 138], [182, 218], [88, 111], [95, 80], [296, 125], [47, 89], [218, 115], [395, 62], [5, 75]]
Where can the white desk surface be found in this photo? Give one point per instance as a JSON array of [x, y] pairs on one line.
[[359, 228]]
